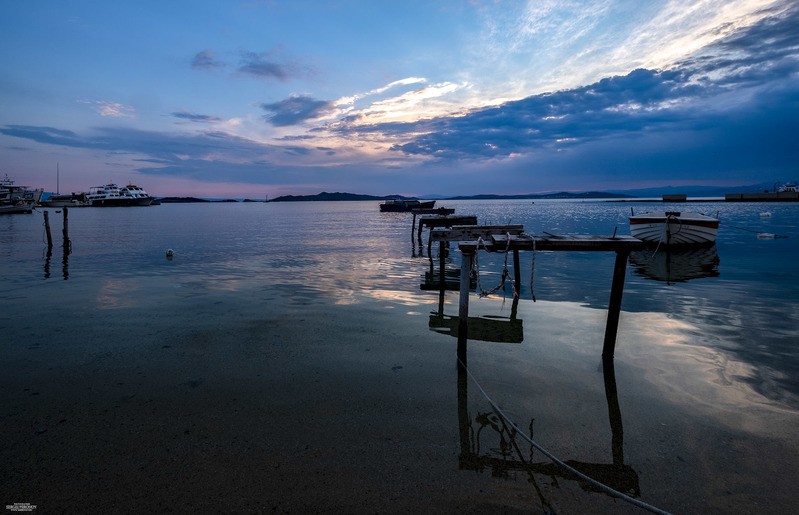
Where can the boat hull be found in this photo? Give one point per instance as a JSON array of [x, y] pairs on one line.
[[401, 206], [121, 202], [7, 208], [673, 229]]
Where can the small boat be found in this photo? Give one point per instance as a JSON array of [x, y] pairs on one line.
[[788, 187], [17, 199], [71, 200], [110, 195], [402, 205], [674, 228]]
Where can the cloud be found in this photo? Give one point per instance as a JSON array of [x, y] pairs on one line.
[[261, 66], [205, 60], [194, 117], [697, 93], [295, 110], [111, 109]]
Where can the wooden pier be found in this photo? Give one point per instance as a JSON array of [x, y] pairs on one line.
[[438, 221], [621, 245], [441, 211]]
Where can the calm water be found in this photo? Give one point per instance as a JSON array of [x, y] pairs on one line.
[[316, 310]]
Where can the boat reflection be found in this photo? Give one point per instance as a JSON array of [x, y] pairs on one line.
[[508, 456], [676, 265]]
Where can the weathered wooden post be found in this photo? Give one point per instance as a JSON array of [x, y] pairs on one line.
[[47, 230], [614, 306], [517, 276], [442, 279], [463, 307]]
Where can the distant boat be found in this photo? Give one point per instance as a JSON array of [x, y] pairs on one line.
[[110, 195], [399, 205], [71, 200], [17, 199], [788, 187], [674, 228]]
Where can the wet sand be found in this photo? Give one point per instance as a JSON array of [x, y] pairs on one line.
[[258, 408]]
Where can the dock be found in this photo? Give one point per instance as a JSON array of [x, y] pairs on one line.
[[471, 238], [621, 245]]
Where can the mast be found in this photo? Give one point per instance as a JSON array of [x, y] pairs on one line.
[[57, 184]]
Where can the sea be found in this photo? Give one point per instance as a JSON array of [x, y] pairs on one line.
[[289, 357]]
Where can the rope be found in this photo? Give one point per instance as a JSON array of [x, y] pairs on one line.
[[532, 271], [608, 490], [753, 231], [505, 272]]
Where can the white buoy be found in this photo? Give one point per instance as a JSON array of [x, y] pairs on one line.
[[765, 214]]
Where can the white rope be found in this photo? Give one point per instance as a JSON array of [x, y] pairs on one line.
[[505, 272], [532, 271], [608, 490]]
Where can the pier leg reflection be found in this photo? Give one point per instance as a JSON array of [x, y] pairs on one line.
[[616, 475]]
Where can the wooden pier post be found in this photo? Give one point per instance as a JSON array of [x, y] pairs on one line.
[[442, 254], [463, 305], [517, 276], [47, 230], [614, 306]]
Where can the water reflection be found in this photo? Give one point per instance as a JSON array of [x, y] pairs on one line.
[[507, 455], [48, 257], [488, 328], [676, 265]]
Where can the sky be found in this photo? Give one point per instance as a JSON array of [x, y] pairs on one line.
[[256, 98]]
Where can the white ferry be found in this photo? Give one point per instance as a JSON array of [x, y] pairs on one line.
[[109, 195]]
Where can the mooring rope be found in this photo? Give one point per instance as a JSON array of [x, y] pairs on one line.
[[608, 490], [755, 232], [532, 270], [505, 273]]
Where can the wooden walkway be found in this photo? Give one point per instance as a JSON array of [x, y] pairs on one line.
[[445, 228], [621, 245]]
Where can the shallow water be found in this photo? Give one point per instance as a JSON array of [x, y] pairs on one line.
[[285, 358]]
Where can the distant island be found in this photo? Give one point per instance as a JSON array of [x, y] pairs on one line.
[[188, 200], [544, 196], [325, 196]]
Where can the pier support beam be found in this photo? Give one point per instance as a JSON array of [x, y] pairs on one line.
[[614, 306], [463, 305], [47, 230]]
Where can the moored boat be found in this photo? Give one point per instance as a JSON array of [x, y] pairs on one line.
[[788, 187], [71, 200], [17, 199], [674, 228], [110, 195], [403, 205]]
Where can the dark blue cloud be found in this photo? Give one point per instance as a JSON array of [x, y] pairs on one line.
[[295, 110], [260, 65], [205, 60], [43, 134], [699, 96], [194, 117]]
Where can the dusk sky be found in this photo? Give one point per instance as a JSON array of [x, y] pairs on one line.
[[270, 97]]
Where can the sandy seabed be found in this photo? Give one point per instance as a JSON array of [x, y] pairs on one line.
[[231, 403]]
